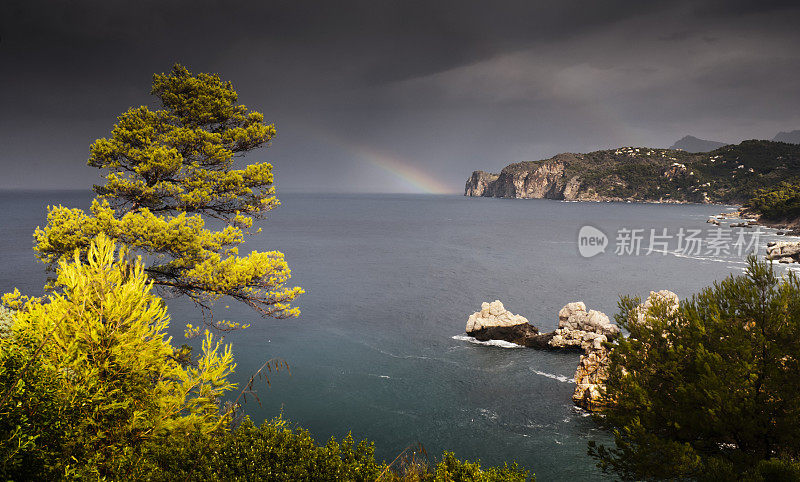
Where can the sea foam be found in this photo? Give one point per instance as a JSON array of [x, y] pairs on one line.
[[498, 343], [560, 378]]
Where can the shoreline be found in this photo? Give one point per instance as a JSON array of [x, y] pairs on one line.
[[615, 200]]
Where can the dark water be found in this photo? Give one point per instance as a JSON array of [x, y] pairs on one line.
[[390, 280]]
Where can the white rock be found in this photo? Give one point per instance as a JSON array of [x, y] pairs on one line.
[[493, 314], [666, 297], [579, 328]]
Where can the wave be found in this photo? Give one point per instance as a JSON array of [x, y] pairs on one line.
[[560, 378], [679, 254], [498, 343]]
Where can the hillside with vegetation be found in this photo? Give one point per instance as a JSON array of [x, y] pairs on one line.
[[730, 174], [779, 205]]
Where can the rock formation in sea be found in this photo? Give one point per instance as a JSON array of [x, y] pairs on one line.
[[590, 377], [589, 331], [495, 322], [784, 252], [592, 372], [578, 329]]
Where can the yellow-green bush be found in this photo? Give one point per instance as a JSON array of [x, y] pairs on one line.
[[277, 452], [100, 337]]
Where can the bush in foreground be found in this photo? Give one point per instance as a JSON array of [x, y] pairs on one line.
[[89, 375], [277, 452], [710, 390]]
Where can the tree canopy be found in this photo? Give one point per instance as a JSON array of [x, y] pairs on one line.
[[781, 203], [98, 342], [709, 389], [164, 170]]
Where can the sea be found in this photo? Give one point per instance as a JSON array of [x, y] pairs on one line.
[[380, 351]]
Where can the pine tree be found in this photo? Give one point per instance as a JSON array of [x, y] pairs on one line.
[[164, 170], [710, 390]]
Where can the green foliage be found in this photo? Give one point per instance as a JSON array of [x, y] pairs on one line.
[[277, 452], [778, 204], [273, 451], [708, 389], [6, 318], [167, 168], [35, 414], [100, 340], [452, 469]]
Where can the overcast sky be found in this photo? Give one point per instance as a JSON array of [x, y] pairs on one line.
[[400, 96]]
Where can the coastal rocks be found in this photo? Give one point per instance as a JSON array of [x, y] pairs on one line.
[[493, 314], [592, 371], [578, 329], [665, 298], [529, 180], [494, 322], [479, 183], [784, 252], [588, 331], [713, 221], [590, 378], [581, 329]]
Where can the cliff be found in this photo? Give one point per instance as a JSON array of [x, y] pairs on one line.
[[730, 174]]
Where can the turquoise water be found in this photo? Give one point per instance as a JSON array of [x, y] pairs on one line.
[[391, 279]]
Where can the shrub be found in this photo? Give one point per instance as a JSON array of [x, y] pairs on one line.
[[100, 342], [709, 388], [277, 452]]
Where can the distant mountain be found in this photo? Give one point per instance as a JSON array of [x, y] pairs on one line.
[[792, 137], [693, 144], [730, 174]]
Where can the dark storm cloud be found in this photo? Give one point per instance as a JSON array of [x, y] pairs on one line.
[[443, 86]]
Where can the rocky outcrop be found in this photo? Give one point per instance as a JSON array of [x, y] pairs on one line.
[[590, 377], [784, 252], [578, 329], [588, 331], [592, 372], [491, 315], [581, 329], [494, 322], [663, 298], [526, 180], [479, 182]]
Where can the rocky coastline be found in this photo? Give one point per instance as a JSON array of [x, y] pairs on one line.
[[784, 252], [588, 332], [727, 175], [579, 330]]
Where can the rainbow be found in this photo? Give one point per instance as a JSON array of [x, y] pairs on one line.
[[414, 177]]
